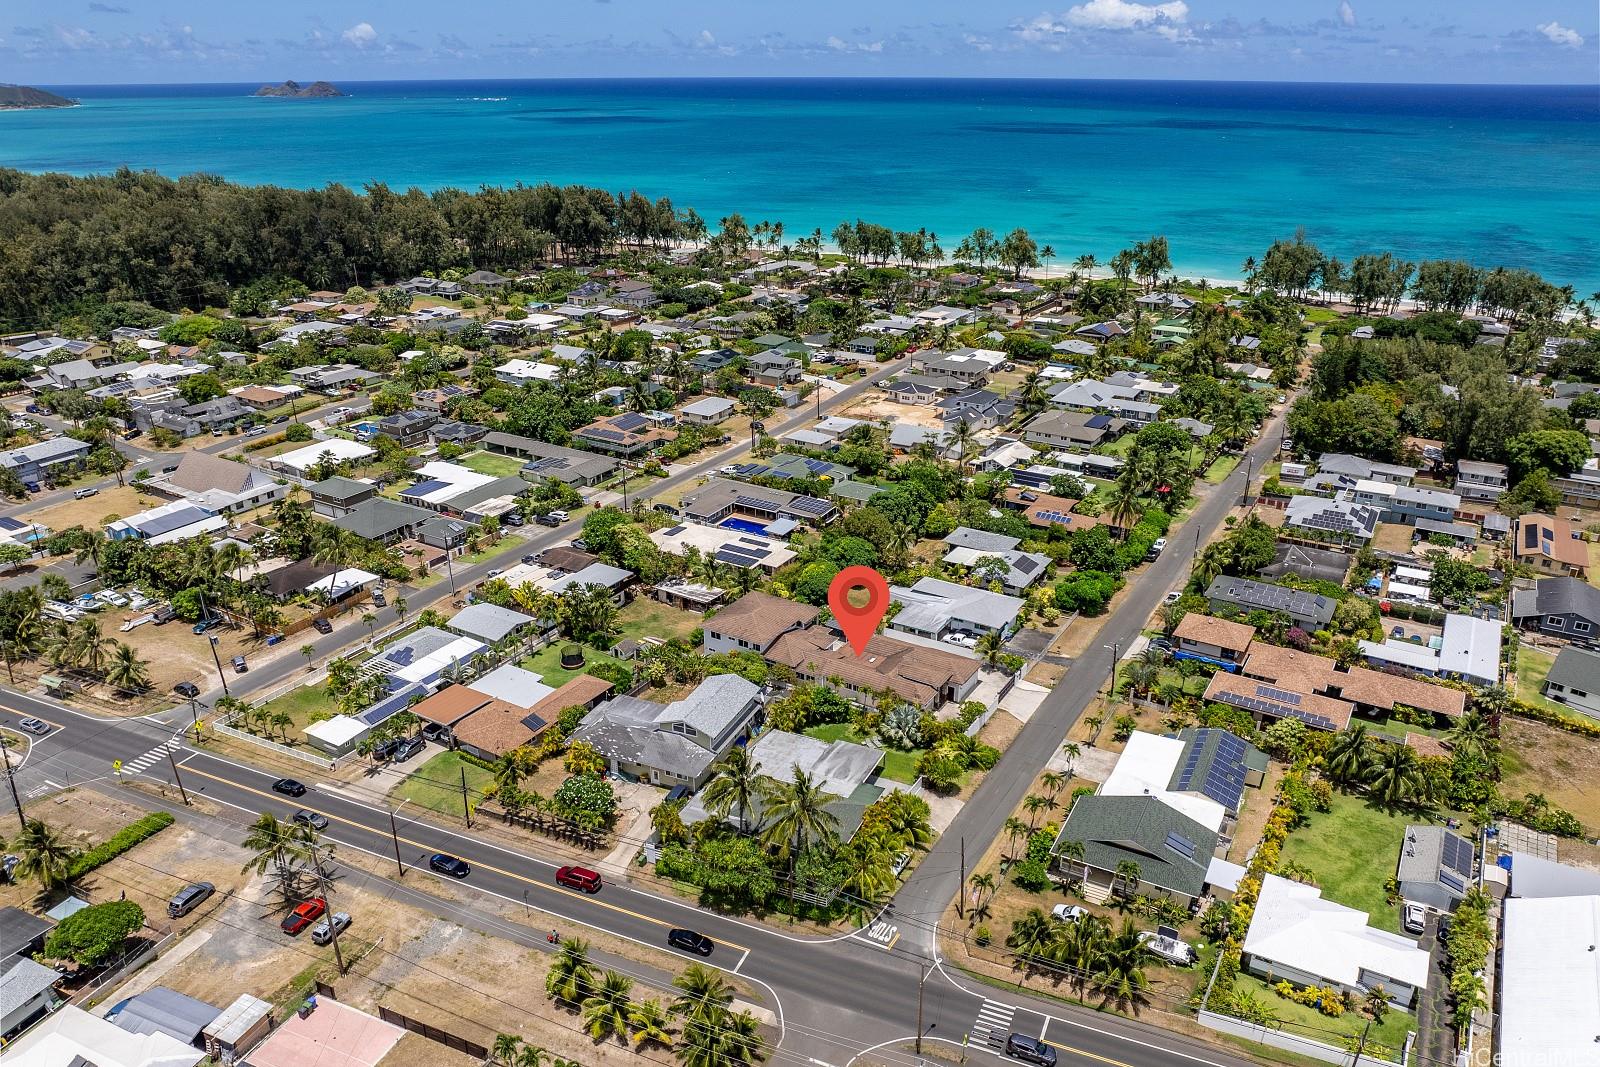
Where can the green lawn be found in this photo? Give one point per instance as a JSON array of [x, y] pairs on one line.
[[547, 663], [1220, 469], [1533, 667], [302, 702], [1352, 851], [1307, 1021], [491, 464], [651, 618], [898, 766], [436, 785]]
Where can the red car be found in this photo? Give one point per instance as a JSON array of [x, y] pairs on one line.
[[579, 878], [303, 916]]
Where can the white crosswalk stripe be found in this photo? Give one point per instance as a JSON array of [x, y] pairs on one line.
[[42, 790], [155, 755], [993, 1023]]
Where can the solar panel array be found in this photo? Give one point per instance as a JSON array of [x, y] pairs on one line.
[[743, 553], [1051, 515], [1181, 845], [1223, 780], [1282, 696], [1450, 879], [810, 505], [755, 503], [1281, 711], [603, 434], [630, 420], [1025, 564], [1456, 855]]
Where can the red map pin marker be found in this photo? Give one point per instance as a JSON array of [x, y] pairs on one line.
[[858, 623]]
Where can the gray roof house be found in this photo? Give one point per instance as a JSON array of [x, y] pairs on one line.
[[382, 519], [1435, 867], [1173, 851], [488, 622], [673, 744], [1309, 611], [31, 463], [1564, 607], [844, 770], [1574, 680], [27, 991], [935, 608], [982, 540]]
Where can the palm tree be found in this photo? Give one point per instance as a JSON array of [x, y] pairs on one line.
[[274, 846], [605, 1009], [1128, 875], [1032, 938], [991, 646], [399, 604], [1397, 778], [737, 785], [1472, 737], [985, 885], [127, 672], [46, 856], [1073, 850], [702, 993], [650, 1024], [1078, 948], [1118, 974], [507, 774], [797, 815], [1348, 757], [1015, 828], [1033, 804], [963, 435], [1123, 504], [92, 548], [571, 974], [504, 1049]]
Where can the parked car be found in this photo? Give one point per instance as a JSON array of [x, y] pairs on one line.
[[1414, 919], [514, 518], [289, 787], [445, 864], [8, 865], [528, 560], [314, 819], [1397, 631], [304, 914], [495, 573], [1173, 597], [322, 626], [1067, 913], [1446, 924], [409, 747], [547, 520], [1157, 546], [35, 726], [385, 749], [689, 941], [189, 898], [280, 420], [1030, 1050], [379, 599], [336, 923], [579, 878], [239, 665], [437, 733], [84, 494]]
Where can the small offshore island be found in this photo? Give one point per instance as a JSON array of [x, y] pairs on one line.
[[27, 98], [293, 90]]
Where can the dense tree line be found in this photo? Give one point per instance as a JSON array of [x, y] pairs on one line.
[[137, 236]]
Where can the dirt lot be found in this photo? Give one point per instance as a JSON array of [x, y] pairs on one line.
[[874, 406], [1561, 765], [93, 512]]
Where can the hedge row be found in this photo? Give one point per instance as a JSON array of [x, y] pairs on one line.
[[119, 842], [1586, 727]]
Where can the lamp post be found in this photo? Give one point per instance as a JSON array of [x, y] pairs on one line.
[[1115, 649], [218, 660]]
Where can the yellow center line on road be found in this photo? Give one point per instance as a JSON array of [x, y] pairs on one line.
[[545, 886], [1087, 1055], [29, 715]]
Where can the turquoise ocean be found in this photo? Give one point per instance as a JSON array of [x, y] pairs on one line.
[[1492, 174]]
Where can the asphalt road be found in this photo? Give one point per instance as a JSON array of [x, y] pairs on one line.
[[921, 902], [836, 998]]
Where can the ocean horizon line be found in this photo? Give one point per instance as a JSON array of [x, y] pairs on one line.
[[796, 78]]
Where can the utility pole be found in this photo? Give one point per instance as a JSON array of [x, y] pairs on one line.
[[394, 835], [5, 755], [465, 807], [322, 888], [961, 893], [194, 711], [920, 983], [449, 569], [1361, 1046], [217, 659], [1116, 651], [176, 777]]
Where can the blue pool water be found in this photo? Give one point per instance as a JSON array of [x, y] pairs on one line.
[[743, 526]]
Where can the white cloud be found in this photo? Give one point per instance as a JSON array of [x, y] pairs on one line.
[[1562, 35], [360, 35], [1125, 14], [1347, 14], [838, 44], [706, 39]]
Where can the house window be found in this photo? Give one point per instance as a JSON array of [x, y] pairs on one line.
[[1579, 626], [1554, 622], [683, 728], [1579, 693]]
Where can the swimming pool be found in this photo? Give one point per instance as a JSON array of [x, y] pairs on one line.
[[743, 526]]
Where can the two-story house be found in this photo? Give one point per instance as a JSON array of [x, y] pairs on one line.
[[673, 744]]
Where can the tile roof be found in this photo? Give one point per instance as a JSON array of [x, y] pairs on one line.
[[1208, 630], [915, 672], [500, 726], [200, 471], [1279, 702]]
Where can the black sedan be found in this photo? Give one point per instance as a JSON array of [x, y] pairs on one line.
[[289, 787], [689, 941], [449, 865]]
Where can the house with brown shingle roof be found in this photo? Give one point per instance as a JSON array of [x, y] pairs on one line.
[[1550, 545], [499, 726], [1266, 701], [1215, 639], [921, 676], [1287, 671], [753, 622]]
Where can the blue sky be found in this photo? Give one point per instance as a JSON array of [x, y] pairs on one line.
[[118, 41]]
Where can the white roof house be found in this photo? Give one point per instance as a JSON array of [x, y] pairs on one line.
[[517, 371], [338, 735], [1296, 934], [341, 581], [932, 607], [167, 523], [1145, 769], [1549, 982], [73, 1036], [1471, 649], [303, 459]]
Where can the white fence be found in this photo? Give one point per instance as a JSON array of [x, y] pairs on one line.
[[283, 750], [1304, 1046]]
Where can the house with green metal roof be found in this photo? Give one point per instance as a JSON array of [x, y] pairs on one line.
[[1172, 852]]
